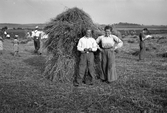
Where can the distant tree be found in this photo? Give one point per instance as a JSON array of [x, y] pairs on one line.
[[19, 28]]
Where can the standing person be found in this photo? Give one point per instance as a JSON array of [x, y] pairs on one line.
[[1, 45], [109, 43], [142, 37], [36, 34], [44, 36], [16, 45], [86, 45]]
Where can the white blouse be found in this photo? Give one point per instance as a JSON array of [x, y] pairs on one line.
[[109, 42]]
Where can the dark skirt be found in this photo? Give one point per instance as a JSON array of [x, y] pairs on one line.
[[142, 50]]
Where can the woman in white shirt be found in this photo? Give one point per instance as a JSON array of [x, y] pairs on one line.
[[109, 44]]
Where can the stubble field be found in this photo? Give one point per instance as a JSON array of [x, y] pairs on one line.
[[141, 88]]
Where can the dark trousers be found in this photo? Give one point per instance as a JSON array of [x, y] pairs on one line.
[[86, 64], [36, 45]]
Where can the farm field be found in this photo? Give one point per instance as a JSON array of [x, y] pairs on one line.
[[142, 86], [22, 29]]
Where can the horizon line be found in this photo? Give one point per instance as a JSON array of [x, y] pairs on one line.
[[95, 23]]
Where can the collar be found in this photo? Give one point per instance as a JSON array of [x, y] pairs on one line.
[[87, 37], [108, 36]]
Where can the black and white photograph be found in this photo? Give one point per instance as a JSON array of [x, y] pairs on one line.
[[83, 56]]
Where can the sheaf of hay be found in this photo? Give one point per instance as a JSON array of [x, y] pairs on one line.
[[64, 33]]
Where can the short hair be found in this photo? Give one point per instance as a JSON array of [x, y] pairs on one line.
[[108, 27], [92, 31]]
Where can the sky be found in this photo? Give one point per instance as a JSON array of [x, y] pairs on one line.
[[147, 12]]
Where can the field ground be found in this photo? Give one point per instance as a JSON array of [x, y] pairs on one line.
[[141, 88]]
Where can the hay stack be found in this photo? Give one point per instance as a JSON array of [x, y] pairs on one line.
[[64, 33]]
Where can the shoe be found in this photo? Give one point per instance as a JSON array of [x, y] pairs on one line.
[[83, 82], [103, 80]]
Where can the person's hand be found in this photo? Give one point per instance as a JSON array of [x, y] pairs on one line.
[[85, 49], [115, 48], [90, 49]]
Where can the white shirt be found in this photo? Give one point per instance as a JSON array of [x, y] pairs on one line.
[[109, 41], [36, 33], [44, 35], [87, 42], [7, 35]]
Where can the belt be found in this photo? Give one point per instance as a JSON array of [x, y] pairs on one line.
[[87, 52], [108, 48]]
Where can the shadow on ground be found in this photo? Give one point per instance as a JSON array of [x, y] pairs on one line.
[[36, 61]]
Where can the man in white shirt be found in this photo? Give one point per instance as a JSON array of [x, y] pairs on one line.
[[36, 34], [86, 45]]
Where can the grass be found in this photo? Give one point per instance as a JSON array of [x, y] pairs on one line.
[[141, 88]]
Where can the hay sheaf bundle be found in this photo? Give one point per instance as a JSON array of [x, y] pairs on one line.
[[64, 33]]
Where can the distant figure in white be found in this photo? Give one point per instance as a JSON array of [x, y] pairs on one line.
[[28, 35], [39, 39], [16, 45], [44, 36], [36, 35]]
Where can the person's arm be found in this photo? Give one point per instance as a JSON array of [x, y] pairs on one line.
[[13, 42], [143, 37], [98, 40], [79, 46], [94, 45], [18, 42], [32, 34], [40, 36], [147, 37], [118, 41]]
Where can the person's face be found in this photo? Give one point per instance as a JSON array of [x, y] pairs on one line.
[[107, 32], [88, 33], [145, 31]]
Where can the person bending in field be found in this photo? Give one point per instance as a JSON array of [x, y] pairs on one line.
[[86, 45], [142, 37], [16, 45], [109, 43]]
